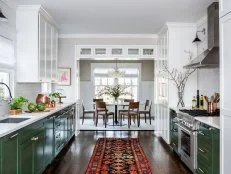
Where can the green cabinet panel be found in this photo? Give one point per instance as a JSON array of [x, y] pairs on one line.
[[10, 153], [31, 149], [38, 149], [26, 157], [208, 141], [49, 140], [173, 130]]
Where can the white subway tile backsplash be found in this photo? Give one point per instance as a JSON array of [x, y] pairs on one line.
[[28, 90]]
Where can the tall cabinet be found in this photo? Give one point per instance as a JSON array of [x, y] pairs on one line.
[[225, 71], [37, 45], [173, 40]]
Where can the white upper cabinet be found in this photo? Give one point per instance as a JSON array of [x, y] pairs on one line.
[[225, 7], [225, 57], [37, 45]]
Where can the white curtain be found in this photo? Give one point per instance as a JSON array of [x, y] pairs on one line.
[[7, 55]]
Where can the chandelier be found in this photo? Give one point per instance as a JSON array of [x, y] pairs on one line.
[[116, 73]]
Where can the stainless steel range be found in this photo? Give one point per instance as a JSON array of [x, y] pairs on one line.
[[187, 128]]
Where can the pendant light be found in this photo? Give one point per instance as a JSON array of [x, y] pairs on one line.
[[196, 40], [2, 16], [116, 73]]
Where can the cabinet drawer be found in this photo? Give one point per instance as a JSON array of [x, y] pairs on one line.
[[30, 130], [202, 168], [204, 152]]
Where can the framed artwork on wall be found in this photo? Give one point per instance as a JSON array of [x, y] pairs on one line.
[[64, 76]]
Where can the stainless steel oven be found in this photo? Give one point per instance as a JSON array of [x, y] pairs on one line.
[[187, 146]]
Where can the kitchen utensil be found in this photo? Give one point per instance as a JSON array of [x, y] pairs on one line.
[[42, 98], [206, 99]]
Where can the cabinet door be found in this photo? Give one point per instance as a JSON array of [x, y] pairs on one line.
[[49, 140], [54, 54], [225, 7], [48, 51], [26, 157], [10, 154], [42, 48], [38, 147]]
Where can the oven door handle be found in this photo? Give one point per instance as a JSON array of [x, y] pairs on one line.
[[188, 131]]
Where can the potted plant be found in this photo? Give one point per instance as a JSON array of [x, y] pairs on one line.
[[16, 105], [53, 96]]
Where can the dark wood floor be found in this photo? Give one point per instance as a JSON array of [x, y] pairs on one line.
[[77, 155]]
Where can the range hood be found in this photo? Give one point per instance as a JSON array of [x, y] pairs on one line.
[[210, 57]]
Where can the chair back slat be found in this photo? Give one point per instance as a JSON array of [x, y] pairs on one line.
[[134, 106], [127, 101], [101, 106], [147, 102], [97, 100]]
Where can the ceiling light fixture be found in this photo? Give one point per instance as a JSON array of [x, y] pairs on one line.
[[196, 40], [116, 73]]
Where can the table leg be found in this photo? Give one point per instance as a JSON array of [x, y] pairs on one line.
[[116, 119]]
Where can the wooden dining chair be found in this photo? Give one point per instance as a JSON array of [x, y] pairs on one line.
[[87, 112], [147, 110], [96, 100], [125, 105], [133, 110], [101, 109]]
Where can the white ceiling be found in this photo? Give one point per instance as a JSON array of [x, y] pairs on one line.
[[120, 16]]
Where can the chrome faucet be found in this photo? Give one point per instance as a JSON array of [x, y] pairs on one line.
[[1, 83]]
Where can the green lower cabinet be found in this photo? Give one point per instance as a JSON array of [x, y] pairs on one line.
[[10, 153], [49, 140], [208, 140], [38, 150], [31, 153], [26, 157]]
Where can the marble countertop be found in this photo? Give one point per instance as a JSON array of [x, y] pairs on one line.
[[211, 121], [7, 128]]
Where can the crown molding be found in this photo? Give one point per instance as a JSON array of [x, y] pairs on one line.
[[139, 36], [177, 24]]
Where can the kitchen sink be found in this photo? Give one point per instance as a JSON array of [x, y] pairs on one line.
[[13, 120]]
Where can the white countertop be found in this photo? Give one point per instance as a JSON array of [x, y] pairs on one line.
[[211, 121], [7, 128]]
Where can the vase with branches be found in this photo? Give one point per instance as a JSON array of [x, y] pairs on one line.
[[179, 80], [114, 91]]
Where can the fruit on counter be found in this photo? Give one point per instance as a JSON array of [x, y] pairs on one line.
[[32, 107], [41, 106]]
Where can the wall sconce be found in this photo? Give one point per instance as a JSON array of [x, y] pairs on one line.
[[2, 16], [196, 40]]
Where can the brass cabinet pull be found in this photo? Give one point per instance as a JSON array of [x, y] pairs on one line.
[[15, 135], [201, 150], [200, 132], [201, 170], [34, 138]]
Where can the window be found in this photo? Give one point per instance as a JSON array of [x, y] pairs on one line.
[[130, 81], [7, 51], [7, 64], [5, 78]]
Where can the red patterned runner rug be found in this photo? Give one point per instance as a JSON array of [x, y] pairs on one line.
[[118, 156]]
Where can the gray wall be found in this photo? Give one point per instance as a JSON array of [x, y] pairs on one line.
[[147, 68]]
